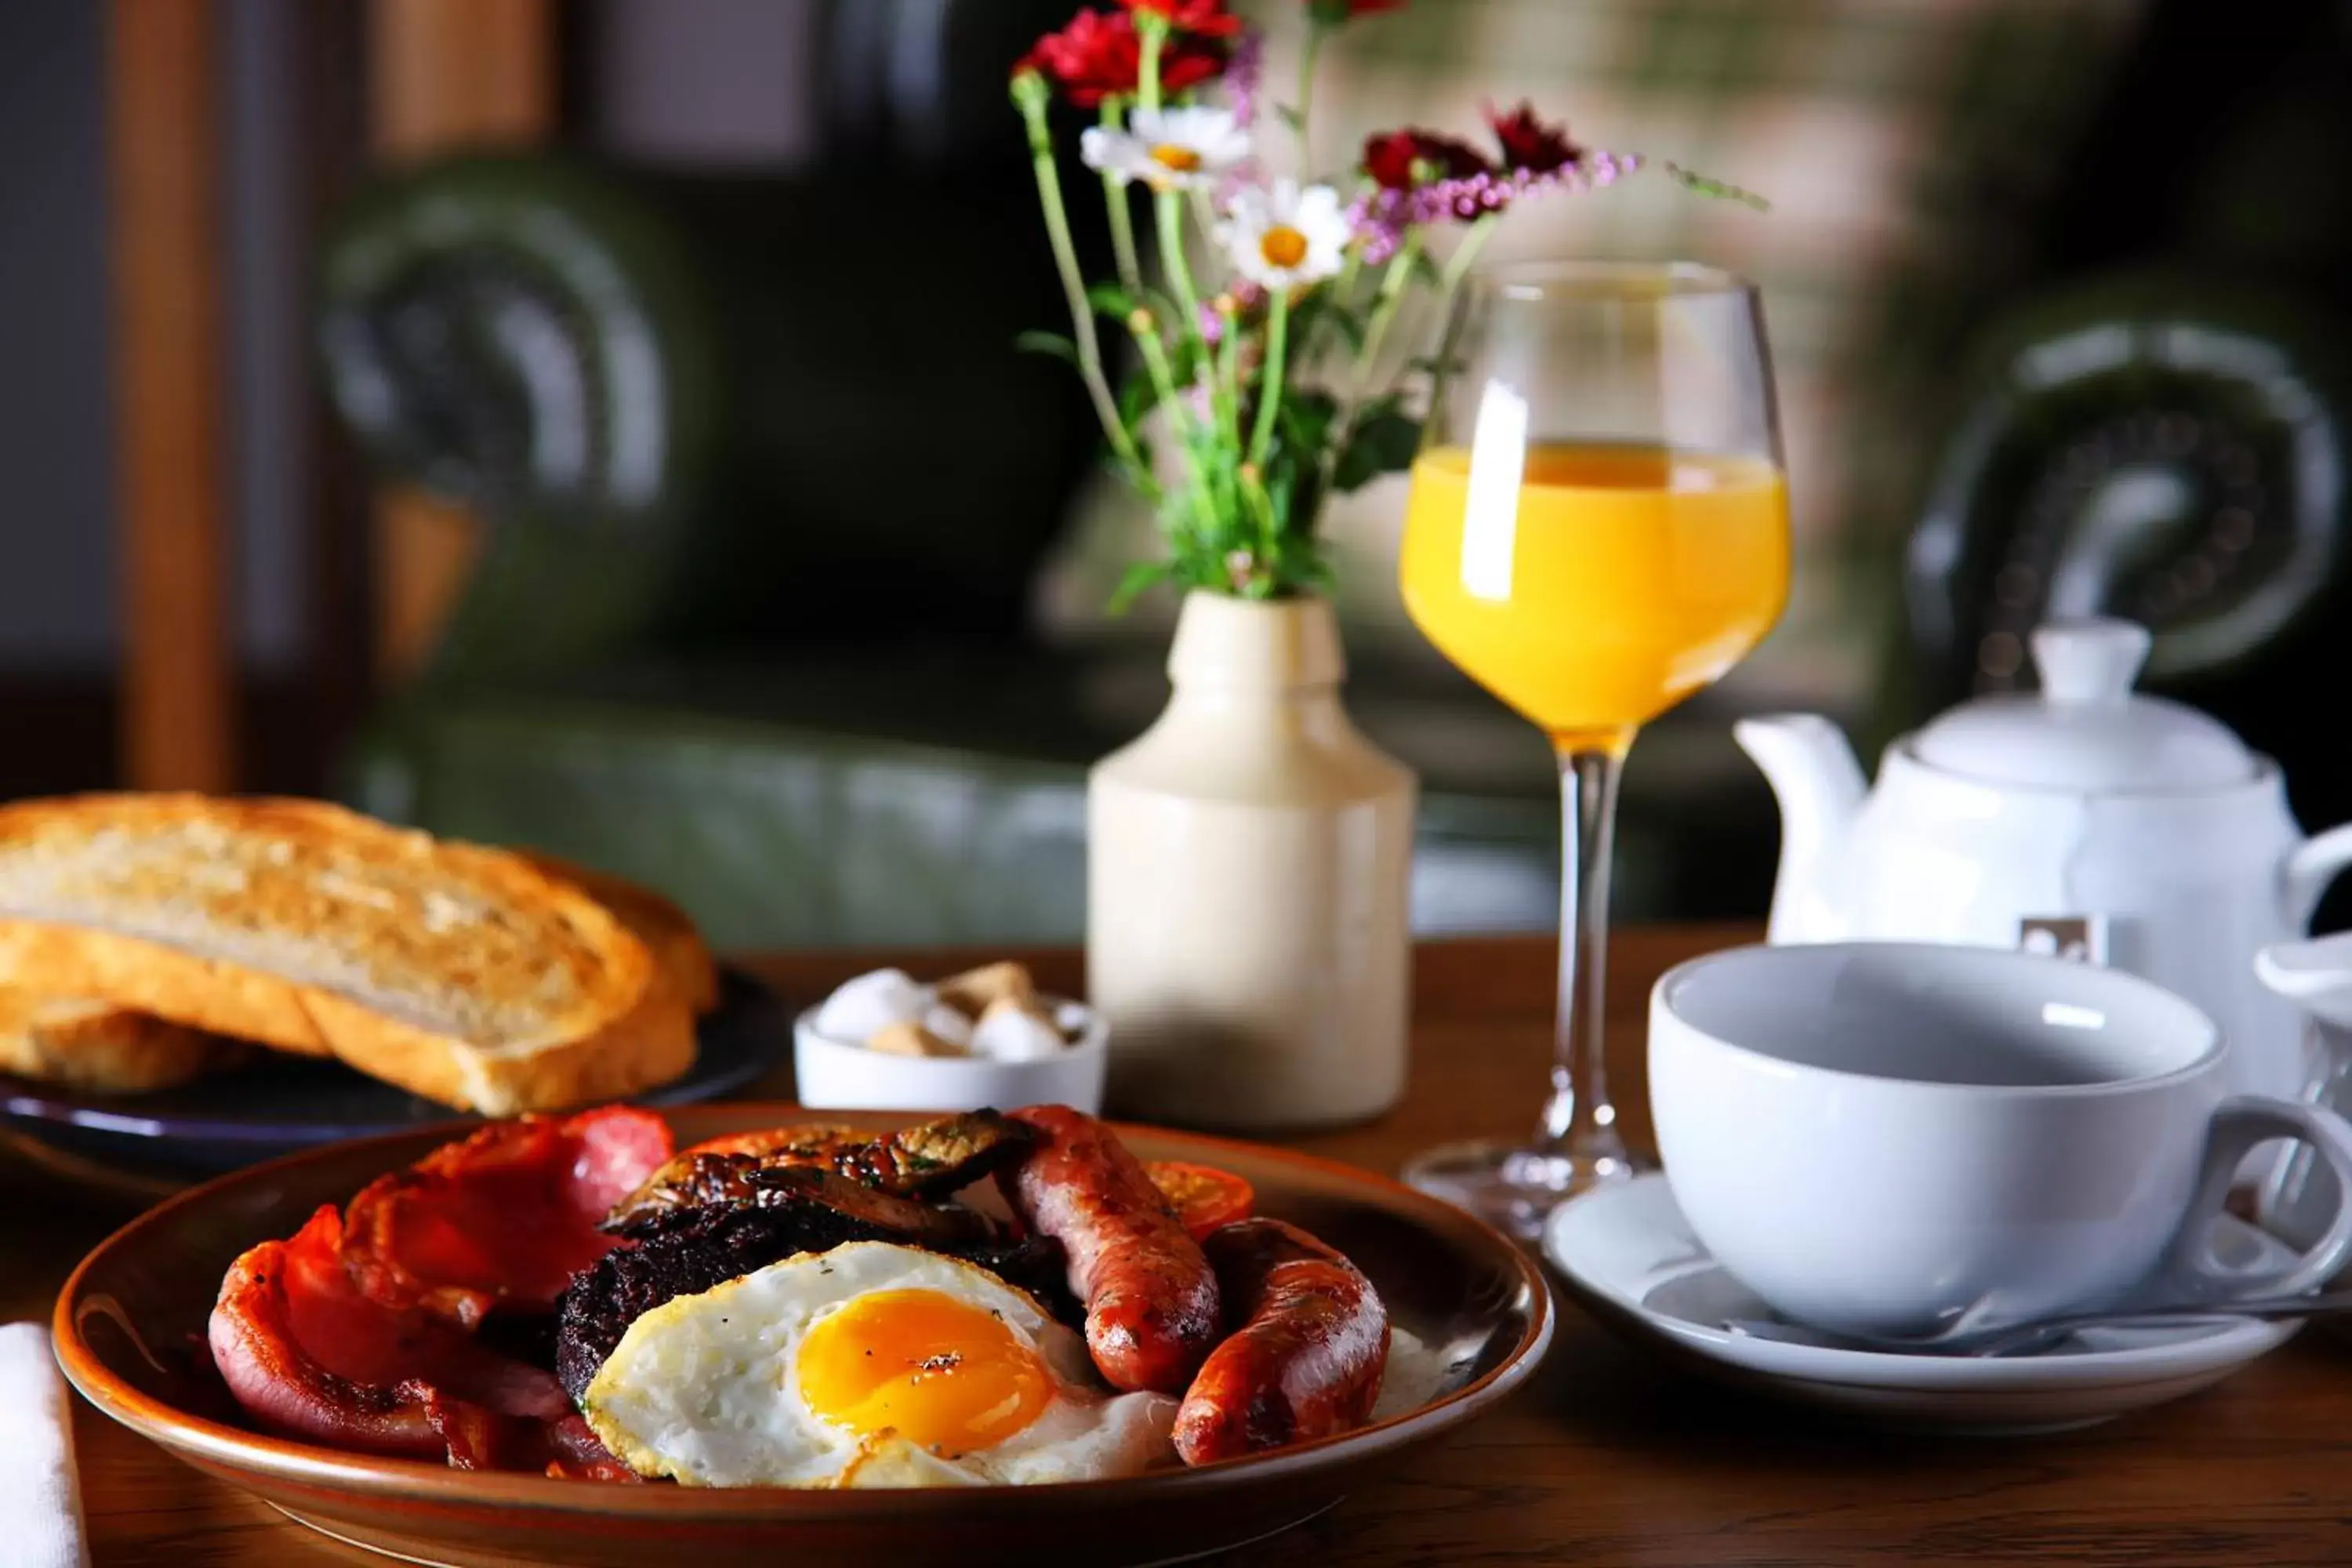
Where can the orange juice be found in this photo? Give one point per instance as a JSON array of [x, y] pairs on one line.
[[1593, 587]]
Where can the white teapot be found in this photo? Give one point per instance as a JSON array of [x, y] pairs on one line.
[[2083, 820]]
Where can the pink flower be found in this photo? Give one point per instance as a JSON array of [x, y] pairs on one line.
[[1382, 215]]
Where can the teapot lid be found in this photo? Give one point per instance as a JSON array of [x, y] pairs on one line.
[[2086, 730]]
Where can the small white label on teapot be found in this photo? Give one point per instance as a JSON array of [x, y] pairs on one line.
[[2078, 939]]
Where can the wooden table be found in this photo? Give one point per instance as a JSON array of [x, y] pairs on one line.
[[1610, 1457]]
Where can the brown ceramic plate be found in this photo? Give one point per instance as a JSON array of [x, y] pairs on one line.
[[130, 1333]]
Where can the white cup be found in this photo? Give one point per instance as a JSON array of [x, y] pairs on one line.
[[1909, 1140]]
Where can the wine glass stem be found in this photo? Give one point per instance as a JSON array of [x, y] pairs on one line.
[[1579, 1120]]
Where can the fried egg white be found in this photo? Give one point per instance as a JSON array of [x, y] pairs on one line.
[[870, 1365]]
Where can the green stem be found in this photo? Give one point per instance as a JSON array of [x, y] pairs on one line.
[[1169, 206], [1228, 384], [1393, 282], [1457, 266], [1146, 333], [1073, 289], [1151, 28], [1269, 385], [1306, 58], [1122, 222], [1268, 552]]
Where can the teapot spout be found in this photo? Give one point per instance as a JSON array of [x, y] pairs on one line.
[[1820, 786]]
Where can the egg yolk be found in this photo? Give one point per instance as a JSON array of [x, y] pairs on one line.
[[941, 1373]]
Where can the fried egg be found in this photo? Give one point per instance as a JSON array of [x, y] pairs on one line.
[[870, 1365]]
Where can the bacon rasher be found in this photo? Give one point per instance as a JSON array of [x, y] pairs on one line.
[[357, 1332]]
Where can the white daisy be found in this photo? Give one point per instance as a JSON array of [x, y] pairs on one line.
[[1168, 149], [1281, 237]]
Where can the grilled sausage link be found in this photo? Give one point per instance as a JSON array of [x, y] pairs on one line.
[[1308, 1354], [1151, 1298]]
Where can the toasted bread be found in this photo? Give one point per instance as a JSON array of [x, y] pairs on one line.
[[462, 974], [678, 950], [97, 1045]]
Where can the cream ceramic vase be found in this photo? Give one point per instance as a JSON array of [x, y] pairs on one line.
[[1247, 863]]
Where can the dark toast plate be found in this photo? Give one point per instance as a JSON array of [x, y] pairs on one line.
[[278, 1104], [130, 1333]]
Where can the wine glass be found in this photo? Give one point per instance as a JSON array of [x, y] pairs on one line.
[[1598, 527]]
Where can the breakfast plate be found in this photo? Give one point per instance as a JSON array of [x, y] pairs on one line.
[[130, 1330], [1627, 1253], [279, 1104]]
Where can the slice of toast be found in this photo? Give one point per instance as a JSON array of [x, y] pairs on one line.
[[97, 1045], [462, 974], [678, 950], [106, 1049]]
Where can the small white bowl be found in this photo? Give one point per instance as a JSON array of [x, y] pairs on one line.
[[838, 1075]]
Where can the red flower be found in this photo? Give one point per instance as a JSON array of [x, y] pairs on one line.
[[1098, 55], [1400, 160], [1208, 17], [1529, 144]]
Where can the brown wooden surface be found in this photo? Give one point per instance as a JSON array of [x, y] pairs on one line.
[[445, 74], [1608, 1457], [164, 244]]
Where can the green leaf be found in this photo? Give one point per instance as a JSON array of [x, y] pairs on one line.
[[1701, 184], [1052, 343], [1186, 357], [1288, 115], [1112, 301], [1305, 419], [1135, 581], [1384, 442], [1138, 396]]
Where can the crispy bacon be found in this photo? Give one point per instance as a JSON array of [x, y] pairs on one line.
[[307, 1353], [504, 1218], [358, 1330], [480, 1439]]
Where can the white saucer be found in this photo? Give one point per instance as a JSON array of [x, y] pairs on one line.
[[1628, 1253]]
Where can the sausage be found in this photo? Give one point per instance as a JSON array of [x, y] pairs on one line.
[[1308, 1355], [1150, 1294]]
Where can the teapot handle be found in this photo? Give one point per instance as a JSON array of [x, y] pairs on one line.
[[2310, 869]]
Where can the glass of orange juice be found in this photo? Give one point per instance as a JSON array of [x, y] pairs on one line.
[[1598, 527]]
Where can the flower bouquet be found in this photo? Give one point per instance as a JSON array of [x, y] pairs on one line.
[[1248, 857], [1259, 336]]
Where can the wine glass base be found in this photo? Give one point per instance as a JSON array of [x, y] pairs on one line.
[[1509, 1185]]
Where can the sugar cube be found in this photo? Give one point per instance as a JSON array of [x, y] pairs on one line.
[[871, 1003], [1011, 1032]]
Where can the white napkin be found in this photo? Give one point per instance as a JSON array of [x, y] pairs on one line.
[[40, 1509]]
